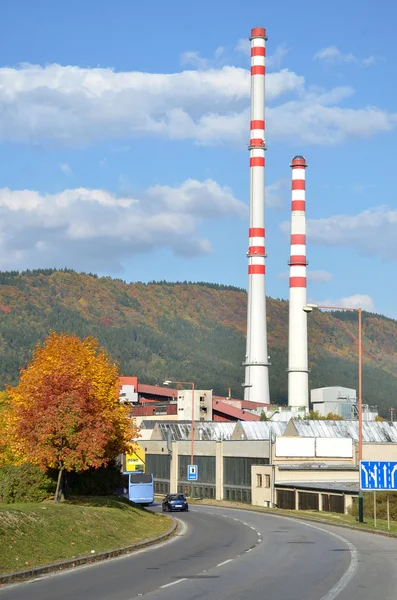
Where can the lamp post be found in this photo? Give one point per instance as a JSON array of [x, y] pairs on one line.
[[308, 309], [168, 382]]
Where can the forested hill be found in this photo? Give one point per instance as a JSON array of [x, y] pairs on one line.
[[193, 332]]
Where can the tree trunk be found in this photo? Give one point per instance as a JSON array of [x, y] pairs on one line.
[[59, 487]]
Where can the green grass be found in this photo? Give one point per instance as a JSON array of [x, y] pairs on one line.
[[327, 517], [32, 535]]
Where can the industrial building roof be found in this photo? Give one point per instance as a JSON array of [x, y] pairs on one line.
[[232, 412], [147, 424], [157, 390], [373, 431], [317, 466], [260, 430], [204, 430], [344, 487], [214, 430], [179, 430]]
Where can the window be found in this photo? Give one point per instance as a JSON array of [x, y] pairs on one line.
[[259, 480], [267, 481]]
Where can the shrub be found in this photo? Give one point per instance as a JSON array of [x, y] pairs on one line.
[[381, 505], [25, 483]]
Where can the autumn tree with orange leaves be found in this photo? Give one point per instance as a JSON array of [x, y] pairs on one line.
[[65, 412]]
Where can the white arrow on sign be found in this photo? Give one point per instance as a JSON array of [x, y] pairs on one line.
[[385, 476], [392, 476], [374, 476], [364, 470]]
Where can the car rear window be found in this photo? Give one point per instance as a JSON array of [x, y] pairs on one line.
[[177, 497]]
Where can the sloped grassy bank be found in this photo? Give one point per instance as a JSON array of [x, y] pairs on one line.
[[33, 535]]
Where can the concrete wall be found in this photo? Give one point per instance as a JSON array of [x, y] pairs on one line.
[[315, 475], [380, 452], [265, 479], [262, 477], [247, 448], [202, 405]]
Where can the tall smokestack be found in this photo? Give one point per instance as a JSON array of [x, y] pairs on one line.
[[298, 378], [256, 360]]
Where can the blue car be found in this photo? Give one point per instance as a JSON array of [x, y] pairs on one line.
[[175, 502]]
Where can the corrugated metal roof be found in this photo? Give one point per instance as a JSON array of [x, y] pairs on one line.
[[214, 430], [204, 430], [179, 431], [147, 424], [349, 487], [259, 430], [157, 390], [317, 466], [380, 432]]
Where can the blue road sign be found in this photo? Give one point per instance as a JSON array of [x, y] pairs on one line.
[[378, 475], [192, 472]]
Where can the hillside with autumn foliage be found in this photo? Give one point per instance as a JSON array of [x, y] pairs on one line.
[[194, 332]]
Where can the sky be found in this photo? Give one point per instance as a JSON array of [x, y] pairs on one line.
[[124, 128]]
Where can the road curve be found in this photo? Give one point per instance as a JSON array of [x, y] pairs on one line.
[[205, 540], [235, 555]]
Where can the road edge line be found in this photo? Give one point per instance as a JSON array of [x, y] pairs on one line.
[[301, 518]]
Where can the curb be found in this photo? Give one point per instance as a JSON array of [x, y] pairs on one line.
[[300, 518], [84, 560]]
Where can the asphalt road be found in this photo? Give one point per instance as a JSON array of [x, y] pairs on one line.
[[235, 555]]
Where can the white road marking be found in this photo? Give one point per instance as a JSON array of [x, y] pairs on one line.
[[349, 573], [224, 562], [173, 582]]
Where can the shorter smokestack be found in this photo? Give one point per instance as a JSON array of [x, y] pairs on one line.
[[298, 371]]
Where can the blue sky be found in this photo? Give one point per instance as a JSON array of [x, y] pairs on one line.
[[124, 131]]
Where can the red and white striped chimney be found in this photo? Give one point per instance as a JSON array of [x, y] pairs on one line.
[[256, 359], [298, 372]]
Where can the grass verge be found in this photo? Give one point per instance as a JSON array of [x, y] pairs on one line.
[[327, 517], [33, 535]]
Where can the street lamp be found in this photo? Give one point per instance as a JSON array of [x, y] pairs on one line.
[[168, 382], [308, 309]]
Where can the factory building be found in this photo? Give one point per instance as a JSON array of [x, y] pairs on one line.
[[152, 402], [340, 401], [300, 464]]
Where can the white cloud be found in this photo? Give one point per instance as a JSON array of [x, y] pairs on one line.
[[74, 105], [310, 120], [94, 229], [65, 168], [78, 106], [356, 301], [371, 232], [333, 55]]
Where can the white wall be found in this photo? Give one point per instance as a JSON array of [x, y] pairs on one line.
[[311, 447], [202, 405], [128, 394]]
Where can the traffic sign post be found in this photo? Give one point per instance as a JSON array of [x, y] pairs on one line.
[[380, 475], [192, 472]]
